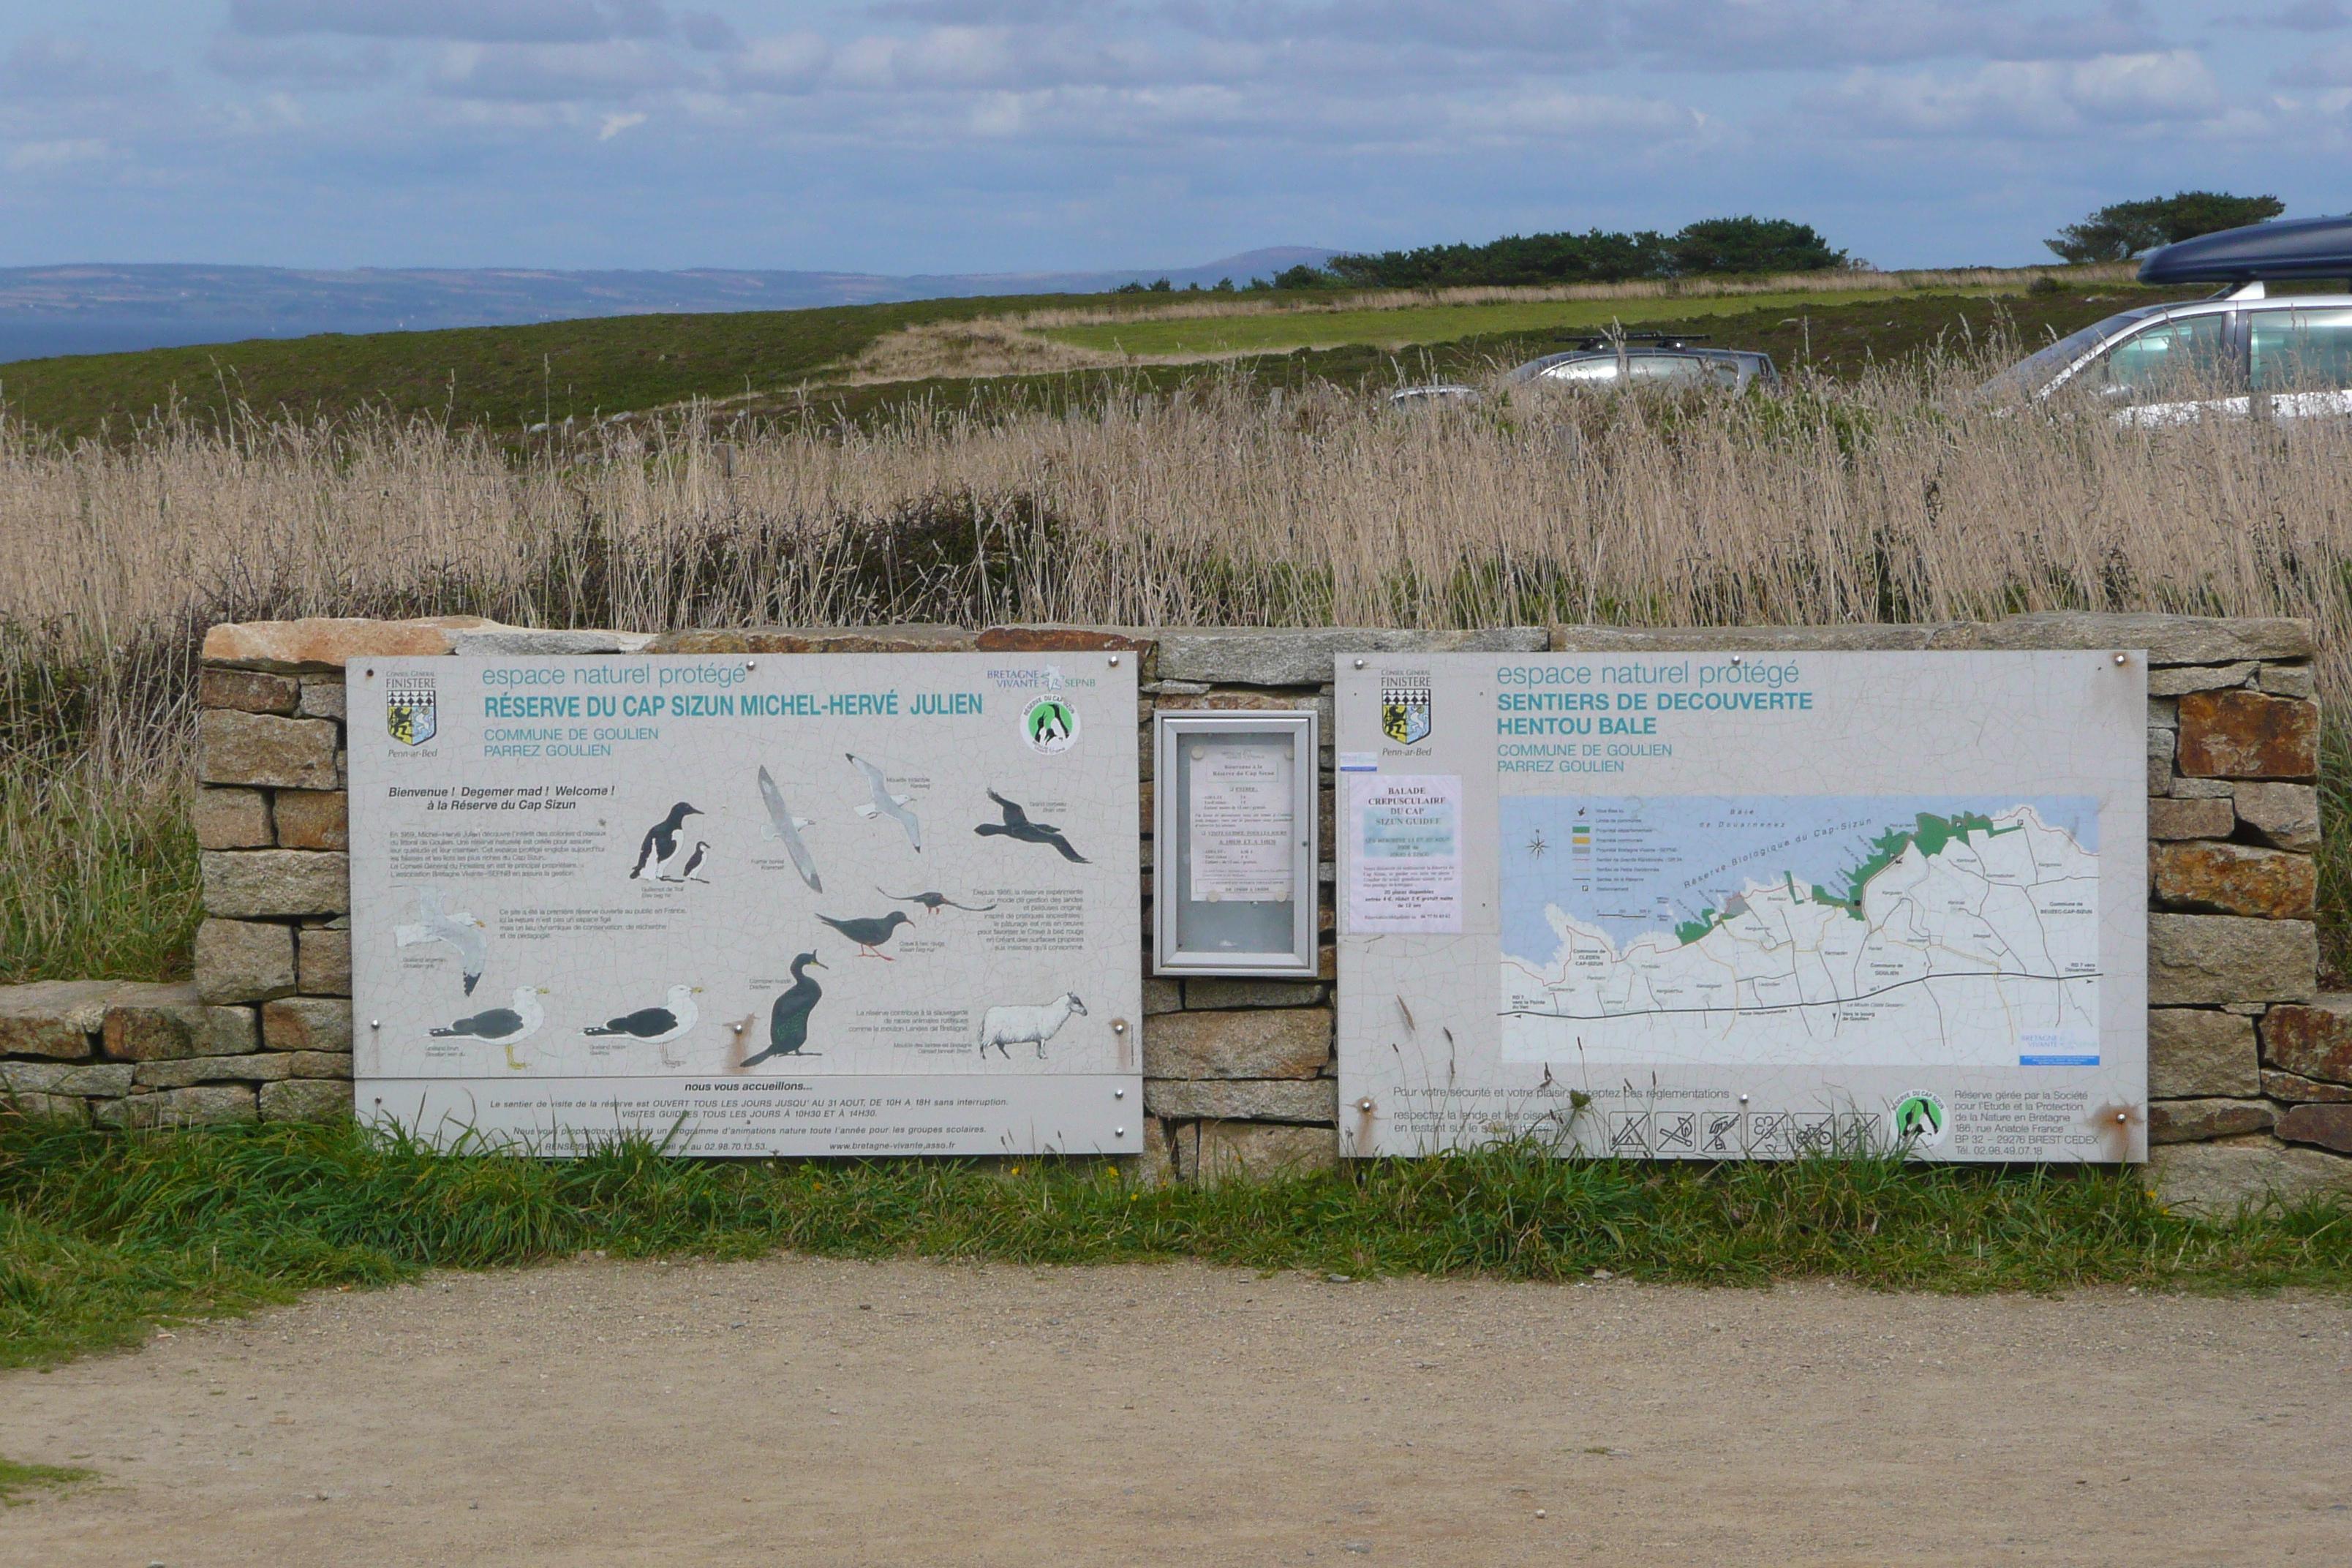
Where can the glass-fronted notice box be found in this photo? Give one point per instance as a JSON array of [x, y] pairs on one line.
[[1233, 841]]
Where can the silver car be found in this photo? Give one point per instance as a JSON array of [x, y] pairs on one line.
[[2243, 352], [1602, 364]]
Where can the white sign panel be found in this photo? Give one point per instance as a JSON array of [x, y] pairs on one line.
[[815, 904], [1243, 826], [1717, 906]]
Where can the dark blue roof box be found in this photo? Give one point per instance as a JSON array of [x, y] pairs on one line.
[[2295, 247]]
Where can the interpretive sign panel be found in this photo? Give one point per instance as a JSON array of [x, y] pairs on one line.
[[1234, 844], [1722, 905], [812, 904]]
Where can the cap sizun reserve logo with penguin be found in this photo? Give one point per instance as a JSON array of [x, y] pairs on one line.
[[1050, 725], [1404, 705], [409, 709]]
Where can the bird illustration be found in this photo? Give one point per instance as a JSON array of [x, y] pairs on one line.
[[788, 1020], [658, 854], [1016, 825], [934, 902], [460, 930], [694, 863], [508, 1026], [884, 803], [870, 933], [783, 824], [652, 1025]]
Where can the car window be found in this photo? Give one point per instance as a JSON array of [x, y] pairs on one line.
[[1600, 368], [2301, 349], [2183, 358], [2035, 371], [1653, 368]]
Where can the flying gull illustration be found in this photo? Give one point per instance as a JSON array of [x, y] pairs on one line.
[[508, 1026], [783, 824], [1016, 825], [884, 803], [788, 1020], [869, 934], [934, 902], [460, 930], [658, 857]]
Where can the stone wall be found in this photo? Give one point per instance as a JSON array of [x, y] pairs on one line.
[[2249, 1068]]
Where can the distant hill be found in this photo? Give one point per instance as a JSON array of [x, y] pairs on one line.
[[108, 308]]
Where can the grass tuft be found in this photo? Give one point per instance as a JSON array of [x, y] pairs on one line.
[[103, 1237], [15, 1477]]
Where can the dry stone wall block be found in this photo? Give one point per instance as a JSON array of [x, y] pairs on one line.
[[158, 1031], [2196, 1053], [306, 1024], [312, 819], [2288, 680], [1252, 656], [1258, 1151], [57, 1109], [1309, 1101], [817, 639], [57, 1018], [2313, 1041], [231, 819], [2195, 1121], [2179, 683], [1278, 1042], [323, 962], [2329, 1126], [324, 696], [2283, 816], [201, 1105], [243, 884], [305, 1099], [2236, 879], [2160, 746], [319, 645], [262, 748], [244, 961], [2167, 639], [2289, 1090], [211, 1069], [1210, 993], [2170, 820], [82, 1080], [248, 691], [2208, 959], [2246, 735], [2217, 1178]]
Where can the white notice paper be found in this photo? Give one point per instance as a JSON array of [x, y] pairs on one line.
[[1242, 823], [1405, 874]]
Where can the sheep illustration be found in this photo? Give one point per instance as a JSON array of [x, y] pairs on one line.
[[1003, 1025]]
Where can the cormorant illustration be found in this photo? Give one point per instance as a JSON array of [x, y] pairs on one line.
[[694, 863], [884, 803], [1016, 825], [788, 1020], [508, 1026], [783, 824], [658, 857], [460, 930], [934, 902], [654, 1025], [869, 934]]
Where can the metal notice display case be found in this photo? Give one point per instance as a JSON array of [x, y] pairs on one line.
[[1234, 836]]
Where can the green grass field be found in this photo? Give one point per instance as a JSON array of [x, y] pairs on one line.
[[104, 1236]]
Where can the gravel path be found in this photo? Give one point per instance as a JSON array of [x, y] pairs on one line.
[[793, 1410]]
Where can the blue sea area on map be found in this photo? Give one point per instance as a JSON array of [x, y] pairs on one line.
[[1633, 864]]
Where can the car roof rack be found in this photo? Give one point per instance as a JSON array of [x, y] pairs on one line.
[[2275, 251], [1592, 340]]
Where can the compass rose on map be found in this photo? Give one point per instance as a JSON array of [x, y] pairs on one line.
[[1536, 846]]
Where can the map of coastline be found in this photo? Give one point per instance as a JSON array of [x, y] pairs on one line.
[[1789, 930]]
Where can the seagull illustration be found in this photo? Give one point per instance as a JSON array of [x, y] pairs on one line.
[[783, 824], [460, 930], [869, 934], [654, 1025], [508, 1026], [934, 902], [1016, 825], [884, 803], [788, 1020]]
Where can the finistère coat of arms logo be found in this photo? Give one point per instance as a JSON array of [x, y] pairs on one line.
[[409, 709], [1404, 705]]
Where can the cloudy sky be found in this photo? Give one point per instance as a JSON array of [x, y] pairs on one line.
[[987, 135]]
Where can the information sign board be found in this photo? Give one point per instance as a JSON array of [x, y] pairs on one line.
[[814, 904], [1720, 905]]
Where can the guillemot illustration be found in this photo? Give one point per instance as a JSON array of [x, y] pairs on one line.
[[658, 857]]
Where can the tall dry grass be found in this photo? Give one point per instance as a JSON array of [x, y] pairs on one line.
[[1898, 498]]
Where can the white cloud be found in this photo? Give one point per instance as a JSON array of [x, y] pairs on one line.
[[793, 63], [616, 123], [455, 21], [30, 156], [559, 73], [2024, 98]]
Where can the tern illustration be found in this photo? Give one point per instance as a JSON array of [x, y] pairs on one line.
[[783, 824], [885, 804]]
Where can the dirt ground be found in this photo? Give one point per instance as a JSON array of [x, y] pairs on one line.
[[804, 1412]]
